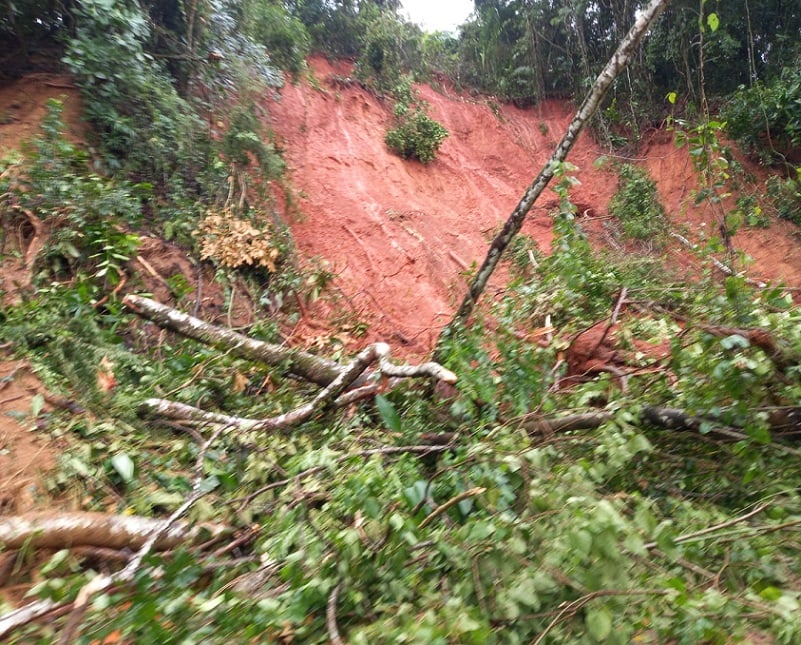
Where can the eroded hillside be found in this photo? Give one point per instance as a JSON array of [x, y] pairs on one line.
[[400, 235]]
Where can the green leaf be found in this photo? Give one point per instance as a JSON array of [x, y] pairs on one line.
[[525, 593], [416, 492], [124, 465], [671, 97], [676, 583], [58, 559], [713, 21], [78, 466], [389, 415], [581, 541], [734, 341], [163, 498], [771, 593], [37, 404], [599, 623]]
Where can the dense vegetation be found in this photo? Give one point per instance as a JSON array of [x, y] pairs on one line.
[[652, 496]]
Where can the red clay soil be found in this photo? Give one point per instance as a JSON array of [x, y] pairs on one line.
[[399, 235], [25, 452], [23, 104]]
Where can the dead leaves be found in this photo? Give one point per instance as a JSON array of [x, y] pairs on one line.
[[233, 242]]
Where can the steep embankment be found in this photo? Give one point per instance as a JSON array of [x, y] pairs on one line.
[[399, 235]]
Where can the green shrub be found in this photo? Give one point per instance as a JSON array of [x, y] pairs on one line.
[[785, 196], [143, 124], [86, 216], [380, 64], [766, 117], [415, 135], [636, 205]]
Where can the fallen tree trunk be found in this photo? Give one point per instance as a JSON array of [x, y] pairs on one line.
[[63, 530], [664, 418], [303, 364], [316, 369], [332, 394], [620, 59]]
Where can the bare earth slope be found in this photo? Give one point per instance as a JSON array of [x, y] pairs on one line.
[[399, 235]]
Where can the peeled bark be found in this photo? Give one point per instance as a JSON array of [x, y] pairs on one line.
[[64, 530]]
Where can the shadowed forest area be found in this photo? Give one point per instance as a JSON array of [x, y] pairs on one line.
[[262, 381]]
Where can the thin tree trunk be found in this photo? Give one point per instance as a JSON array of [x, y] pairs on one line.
[[307, 366], [620, 59]]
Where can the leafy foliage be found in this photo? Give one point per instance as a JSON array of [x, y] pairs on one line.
[[82, 218], [465, 518], [766, 117], [504, 534], [636, 204], [147, 128], [415, 135], [380, 63], [283, 35], [785, 196], [137, 112]]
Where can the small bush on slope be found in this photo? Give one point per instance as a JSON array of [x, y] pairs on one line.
[[415, 135]]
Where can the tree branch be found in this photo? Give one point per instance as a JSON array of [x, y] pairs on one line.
[[307, 366]]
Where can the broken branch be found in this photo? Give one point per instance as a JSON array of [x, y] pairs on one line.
[[62, 530], [303, 364]]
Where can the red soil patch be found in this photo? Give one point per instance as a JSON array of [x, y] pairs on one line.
[[400, 235], [25, 453], [773, 253], [23, 104]]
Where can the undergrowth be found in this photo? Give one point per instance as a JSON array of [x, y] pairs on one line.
[[415, 135], [637, 207], [505, 532]]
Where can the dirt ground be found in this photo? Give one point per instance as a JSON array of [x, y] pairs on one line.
[[398, 236], [25, 452]]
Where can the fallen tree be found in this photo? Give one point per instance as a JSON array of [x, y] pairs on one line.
[[335, 378], [310, 367], [779, 420], [302, 364], [619, 61], [61, 530]]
